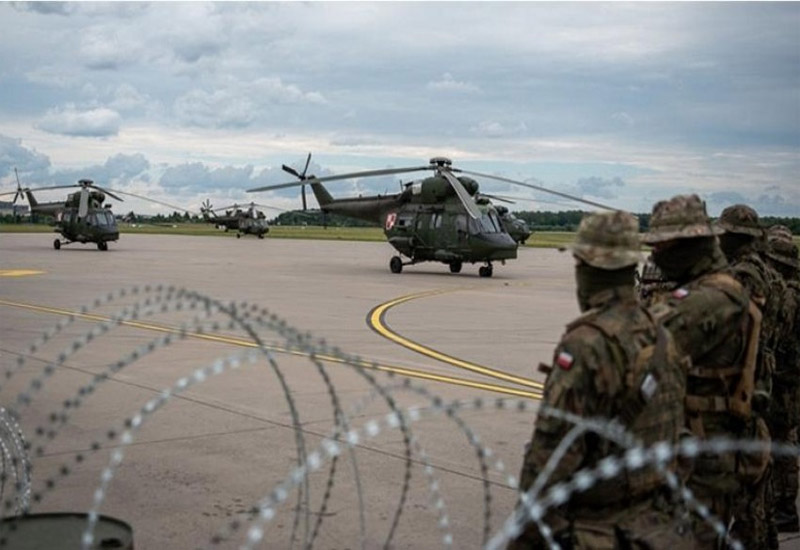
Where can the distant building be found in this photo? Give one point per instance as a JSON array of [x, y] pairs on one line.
[[9, 209]]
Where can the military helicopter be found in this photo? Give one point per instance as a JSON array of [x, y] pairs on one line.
[[246, 222], [82, 217], [436, 219]]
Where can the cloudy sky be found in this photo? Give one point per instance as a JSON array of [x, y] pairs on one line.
[[623, 103]]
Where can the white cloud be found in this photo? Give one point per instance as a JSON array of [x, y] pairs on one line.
[[102, 49], [214, 110], [240, 104], [494, 129], [100, 122], [448, 84], [126, 98], [273, 90]]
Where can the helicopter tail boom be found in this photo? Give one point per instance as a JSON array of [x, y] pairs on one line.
[[322, 195]]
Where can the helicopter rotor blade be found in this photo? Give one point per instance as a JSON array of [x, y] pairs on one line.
[[83, 205], [462, 193], [18, 193], [162, 203], [365, 174], [497, 198], [538, 188], [261, 205], [305, 168], [292, 171]]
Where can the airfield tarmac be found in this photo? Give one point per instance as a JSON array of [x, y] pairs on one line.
[[198, 464]]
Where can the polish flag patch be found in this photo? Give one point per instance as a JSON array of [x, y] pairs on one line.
[[680, 293], [564, 360]]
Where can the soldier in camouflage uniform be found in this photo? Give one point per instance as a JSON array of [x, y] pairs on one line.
[[743, 243], [616, 362], [784, 413], [713, 320]]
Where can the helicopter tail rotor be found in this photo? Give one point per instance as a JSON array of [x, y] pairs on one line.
[[206, 209], [18, 194], [301, 177]]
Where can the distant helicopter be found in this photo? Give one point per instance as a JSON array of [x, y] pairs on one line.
[[246, 222], [82, 217], [514, 226], [436, 219]]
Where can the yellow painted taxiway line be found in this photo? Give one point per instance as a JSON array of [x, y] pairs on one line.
[[232, 340], [376, 321], [19, 272]]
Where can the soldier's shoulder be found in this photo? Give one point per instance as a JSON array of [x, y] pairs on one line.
[[582, 331], [607, 319], [720, 281]]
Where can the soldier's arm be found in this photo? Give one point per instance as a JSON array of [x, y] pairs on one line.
[[753, 281], [575, 385]]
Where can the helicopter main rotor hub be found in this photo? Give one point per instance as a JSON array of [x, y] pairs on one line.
[[441, 162]]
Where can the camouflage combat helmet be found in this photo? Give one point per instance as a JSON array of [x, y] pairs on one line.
[[740, 219], [681, 217], [779, 231], [781, 248], [608, 240]]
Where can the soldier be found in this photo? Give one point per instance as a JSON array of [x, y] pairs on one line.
[[616, 362], [743, 243], [715, 322], [784, 413]]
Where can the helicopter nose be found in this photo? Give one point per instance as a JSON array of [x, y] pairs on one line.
[[500, 246], [503, 241]]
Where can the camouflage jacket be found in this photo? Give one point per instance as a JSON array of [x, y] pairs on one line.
[[787, 345], [766, 288], [601, 369], [715, 322]]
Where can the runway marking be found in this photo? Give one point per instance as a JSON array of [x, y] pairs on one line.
[[19, 272], [232, 340], [376, 321]]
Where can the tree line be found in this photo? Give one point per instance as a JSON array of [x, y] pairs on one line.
[[538, 221]]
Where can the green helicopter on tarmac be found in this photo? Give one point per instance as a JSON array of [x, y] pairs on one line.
[[441, 218], [84, 216]]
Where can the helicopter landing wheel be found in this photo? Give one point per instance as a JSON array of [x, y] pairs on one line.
[[57, 244], [261, 236], [485, 271], [455, 267], [102, 245], [396, 264], [238, 235]]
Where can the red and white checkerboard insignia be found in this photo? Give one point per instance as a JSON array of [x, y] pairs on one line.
[[680, 293], [564, 360]]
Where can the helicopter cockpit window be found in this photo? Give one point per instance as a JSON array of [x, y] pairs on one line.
[[404, 221], [436, 221], [487, 223], [461, 223]]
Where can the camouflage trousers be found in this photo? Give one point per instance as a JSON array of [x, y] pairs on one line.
[[784, 420], [785, 475], [753, 515], [637, 527]]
